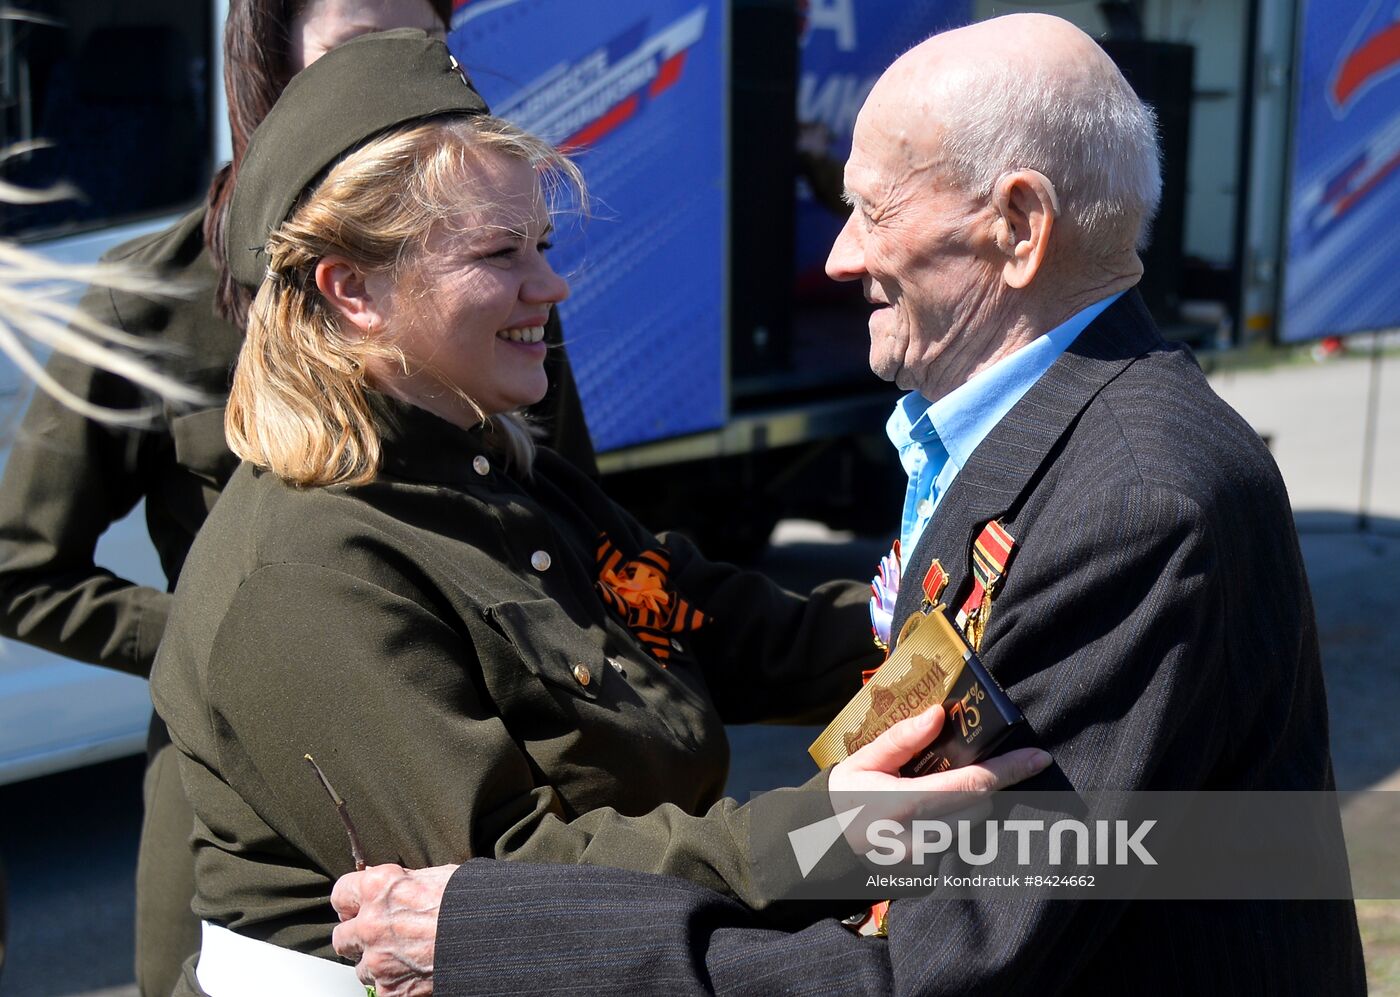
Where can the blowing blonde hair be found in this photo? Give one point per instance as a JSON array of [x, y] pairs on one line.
[[301, 405], [36, 310]]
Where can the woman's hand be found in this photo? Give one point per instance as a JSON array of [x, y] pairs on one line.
[[875, 767], [389, 926], [870, 778]]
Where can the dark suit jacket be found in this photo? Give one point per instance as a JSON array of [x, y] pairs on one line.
[[1157, 631]]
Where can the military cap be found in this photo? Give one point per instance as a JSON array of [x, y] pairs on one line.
[[343, 99]]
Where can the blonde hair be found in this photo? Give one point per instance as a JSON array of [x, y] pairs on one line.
[[300, 404], [35, 309]]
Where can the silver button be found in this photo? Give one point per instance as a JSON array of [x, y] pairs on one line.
[[540, 560], [583, 675], [481, 465], [617, 667], [676, 645]]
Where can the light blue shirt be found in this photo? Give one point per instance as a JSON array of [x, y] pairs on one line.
[[936, 439]]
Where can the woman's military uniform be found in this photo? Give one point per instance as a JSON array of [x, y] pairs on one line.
[[482, 667], [69, 478]]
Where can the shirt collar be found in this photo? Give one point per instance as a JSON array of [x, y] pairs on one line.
[[911, 432]]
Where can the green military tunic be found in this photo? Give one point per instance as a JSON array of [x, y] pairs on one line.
[[68, 479], [438, 641]]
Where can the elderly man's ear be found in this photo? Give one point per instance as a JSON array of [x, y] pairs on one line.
[[1025, 205]]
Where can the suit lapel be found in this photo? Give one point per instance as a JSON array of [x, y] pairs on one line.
[[1003, 466]]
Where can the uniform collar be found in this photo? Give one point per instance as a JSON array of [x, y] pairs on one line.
[[422, 447]]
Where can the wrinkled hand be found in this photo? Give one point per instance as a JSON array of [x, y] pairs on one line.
[[389, 926], [874, 769]]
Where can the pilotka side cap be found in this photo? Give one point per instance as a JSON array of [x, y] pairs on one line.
[[332, 107]]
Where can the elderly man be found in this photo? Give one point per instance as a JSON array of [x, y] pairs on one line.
[[1147, 609]]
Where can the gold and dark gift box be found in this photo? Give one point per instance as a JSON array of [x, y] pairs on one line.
[[931, 663]]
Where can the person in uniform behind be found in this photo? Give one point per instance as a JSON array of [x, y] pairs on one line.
[[32, 318], [486, 656], [69, 478]]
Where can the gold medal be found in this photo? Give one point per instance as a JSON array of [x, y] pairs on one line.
[[910, 625]]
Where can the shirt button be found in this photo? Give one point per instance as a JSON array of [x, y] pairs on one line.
[[925, 507], [583, 675], [481, 465], [617, 667], [540, 560]]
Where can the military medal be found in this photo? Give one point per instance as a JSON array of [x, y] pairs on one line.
[[910, 625], [871, 923], [935, 581], [932, 662], [991, 553]]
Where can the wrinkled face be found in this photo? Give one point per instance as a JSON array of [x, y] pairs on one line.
[[469, 311], [912, 241], [324, 24]]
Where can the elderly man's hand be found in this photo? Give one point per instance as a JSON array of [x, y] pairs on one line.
[[389, 926]]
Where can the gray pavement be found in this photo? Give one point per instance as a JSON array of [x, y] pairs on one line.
[[1315, 416], [1355, 580]]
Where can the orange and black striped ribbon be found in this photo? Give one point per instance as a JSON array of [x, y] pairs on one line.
[[638, 591]]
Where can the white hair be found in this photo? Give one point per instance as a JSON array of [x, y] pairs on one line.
[[1087, 132]]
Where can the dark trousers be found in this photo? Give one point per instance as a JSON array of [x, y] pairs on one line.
[[4, 915], [167, 932]]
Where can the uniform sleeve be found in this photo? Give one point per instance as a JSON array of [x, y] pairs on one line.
[[66, 481], [384, 693], [770, 654], [1123, 632]]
